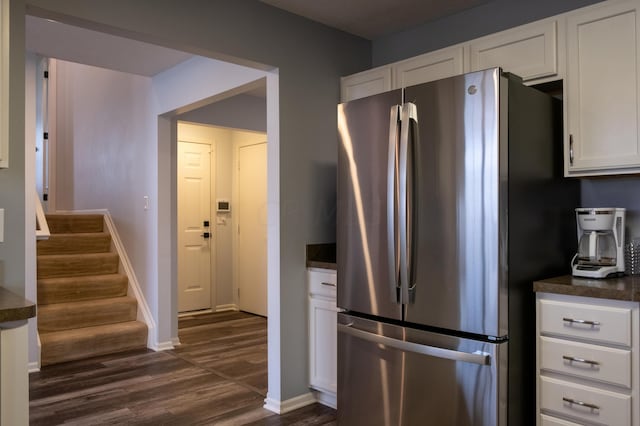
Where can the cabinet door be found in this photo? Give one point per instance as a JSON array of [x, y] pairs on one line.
[[429, 67], [529, 51], [602, 90], [323, 349], [366, 83]]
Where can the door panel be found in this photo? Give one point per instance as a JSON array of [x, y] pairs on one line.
[[194, 207], [252, 238], [364, 283], [382, 385], [457, 234]]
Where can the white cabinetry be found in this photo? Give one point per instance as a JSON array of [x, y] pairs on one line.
[[323, 336], [529, 51], [365, 83], [588, 368], [602, 90], [429, 67]]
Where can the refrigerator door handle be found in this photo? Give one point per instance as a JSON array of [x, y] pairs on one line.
[[392, 203], [480, 358], [405, 211]]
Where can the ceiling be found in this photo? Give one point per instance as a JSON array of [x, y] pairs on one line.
[[366, 18], [56, 40], [371, 19]]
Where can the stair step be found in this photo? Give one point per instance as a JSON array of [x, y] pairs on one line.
[[71, 223], [87, 313], [79, 343], [72, 265], [74, 289], [75, 243]]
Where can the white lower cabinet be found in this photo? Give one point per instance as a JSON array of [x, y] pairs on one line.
[[587, 361], [323, 337]]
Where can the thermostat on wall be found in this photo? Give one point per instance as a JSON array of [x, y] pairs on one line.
[[223, 205]]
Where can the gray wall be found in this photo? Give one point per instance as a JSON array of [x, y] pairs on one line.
[[485, 19], [238, 112], [309, 58], [12, 180], [619, 191]]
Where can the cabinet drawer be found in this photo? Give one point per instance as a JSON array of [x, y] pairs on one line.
[[584, 402], [598, 323], [322, 282], [585, 360], [553, 421]]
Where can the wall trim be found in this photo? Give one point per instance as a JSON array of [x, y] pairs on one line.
[[325, 398], [282, 407], [163, 346], [33, 367], [228, 307]]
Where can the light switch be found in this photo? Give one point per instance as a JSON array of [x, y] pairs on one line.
[[1, 225]]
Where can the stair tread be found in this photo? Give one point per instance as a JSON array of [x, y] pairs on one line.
[[83, 278], [86, 313], [96, 303], [83, 287], [68, 345], [68, 265], [75, 243], [61, 223]]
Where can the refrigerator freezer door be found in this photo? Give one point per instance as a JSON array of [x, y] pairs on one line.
[[460, 228], [396, 376], [366, 176]]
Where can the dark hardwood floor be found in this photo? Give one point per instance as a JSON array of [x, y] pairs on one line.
[[217, 376]]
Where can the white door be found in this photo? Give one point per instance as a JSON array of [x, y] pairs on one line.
[[194, 208], [252, 229]]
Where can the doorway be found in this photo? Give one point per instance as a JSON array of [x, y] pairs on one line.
[[231, 212]]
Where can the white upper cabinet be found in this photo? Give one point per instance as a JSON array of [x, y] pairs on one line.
[[366, 83], [529, 51], [602, 90], [429, 67]]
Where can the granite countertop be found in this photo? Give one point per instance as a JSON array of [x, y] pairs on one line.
[[14, 307], [621, 288], [321, 256]]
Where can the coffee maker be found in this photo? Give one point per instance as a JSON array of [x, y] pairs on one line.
[[600, 243]]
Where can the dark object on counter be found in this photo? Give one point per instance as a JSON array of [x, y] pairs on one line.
[[321, 255]]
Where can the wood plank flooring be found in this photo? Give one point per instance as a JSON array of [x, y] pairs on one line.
[[217, 376]]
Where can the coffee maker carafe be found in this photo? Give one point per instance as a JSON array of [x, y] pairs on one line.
[[600, 243]]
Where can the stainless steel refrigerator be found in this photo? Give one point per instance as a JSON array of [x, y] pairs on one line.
[[450, 203]]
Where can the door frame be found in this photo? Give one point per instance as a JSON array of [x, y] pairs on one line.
[[212, 193]]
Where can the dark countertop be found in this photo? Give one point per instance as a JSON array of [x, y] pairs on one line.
[[14, 307], [622, 288], [321, 256]]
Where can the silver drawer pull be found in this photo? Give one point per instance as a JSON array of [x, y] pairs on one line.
[[582, 360], [579, 321], [328, 284], [580, 403]]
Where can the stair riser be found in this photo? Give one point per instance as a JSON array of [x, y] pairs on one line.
[[76, 289], [62, 347], [67, 316], [75, 244], [77, 265], [62, 224]]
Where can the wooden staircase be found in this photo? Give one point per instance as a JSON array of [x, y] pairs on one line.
[[83, 307]]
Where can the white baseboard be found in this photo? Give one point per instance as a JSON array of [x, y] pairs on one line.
[[326, 398], [33, 367], [282, 407], [163, 346], [227, 307]]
